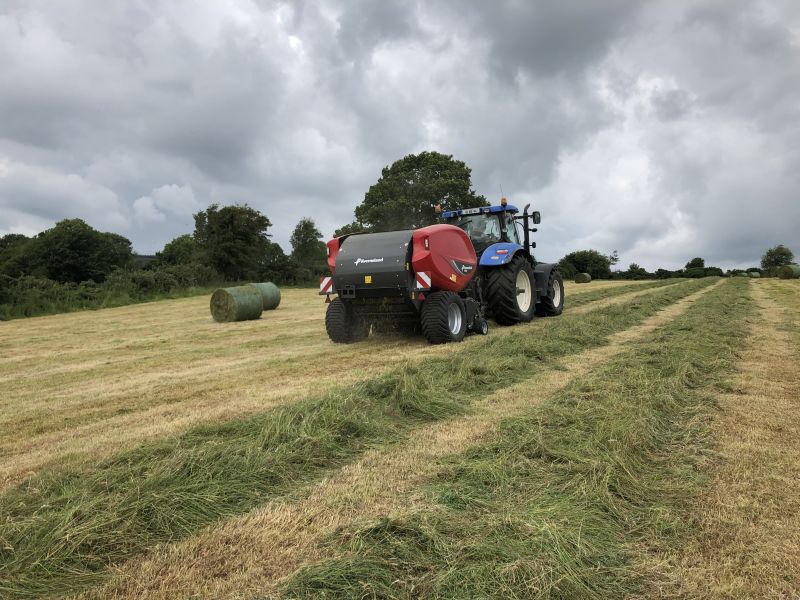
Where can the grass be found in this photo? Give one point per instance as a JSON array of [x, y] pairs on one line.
[[84, 385], [257, 549], [63, 530], [592, 295], [745, 526], [555, 504]]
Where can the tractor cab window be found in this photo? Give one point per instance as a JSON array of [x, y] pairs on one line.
[[511, 229], [483, 229]]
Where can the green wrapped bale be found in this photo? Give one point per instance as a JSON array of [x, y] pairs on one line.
[[742, 274], [754, 274], [241, 303], [583, 278], [270, 294], [789, 272]]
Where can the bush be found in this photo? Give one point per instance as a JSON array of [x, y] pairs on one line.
[[29, 296]]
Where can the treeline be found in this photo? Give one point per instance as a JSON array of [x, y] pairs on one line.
[[73, 266], [599, 266]]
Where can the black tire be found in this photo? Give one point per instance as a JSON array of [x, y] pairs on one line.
[[439, 326], [501, 292], [552, 303], [481, 326], [343, 325]]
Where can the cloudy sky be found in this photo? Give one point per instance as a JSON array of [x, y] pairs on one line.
[[664, 129]]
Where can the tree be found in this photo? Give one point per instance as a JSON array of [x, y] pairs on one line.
[[308, 249], [180, 251], [778, 256], [74, 251], [636, 272], [407, 192], [353, 227], [696, 263], [232, 239], [585, 261], [613, 258], [274, 265], [13, 248]]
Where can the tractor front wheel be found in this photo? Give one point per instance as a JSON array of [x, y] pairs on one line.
[[443, 318], [510, 292], [343, 325], [552, 304]]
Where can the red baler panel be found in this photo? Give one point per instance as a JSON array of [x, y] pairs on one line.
[[449, 256], [333, 250]]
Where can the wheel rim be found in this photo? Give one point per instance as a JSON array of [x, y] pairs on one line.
[[556, 293], [454, 318], [524, 295]]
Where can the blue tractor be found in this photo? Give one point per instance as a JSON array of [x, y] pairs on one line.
[[514, 285], [444, 279]]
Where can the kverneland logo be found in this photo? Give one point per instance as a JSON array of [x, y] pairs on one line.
[[359, 261]]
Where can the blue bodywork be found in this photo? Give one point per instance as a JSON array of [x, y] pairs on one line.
[[498, 254]]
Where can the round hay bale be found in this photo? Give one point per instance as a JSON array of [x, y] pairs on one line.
[[583, 278], [754, 274], [789, 271], [241, 303], [270, 294], [742, 274]]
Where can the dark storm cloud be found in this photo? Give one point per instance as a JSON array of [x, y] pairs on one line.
[[662, 129]]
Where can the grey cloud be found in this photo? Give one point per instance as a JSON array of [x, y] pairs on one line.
[[661, 129]]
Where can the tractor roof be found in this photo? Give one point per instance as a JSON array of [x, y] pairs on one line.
[[451, 214]]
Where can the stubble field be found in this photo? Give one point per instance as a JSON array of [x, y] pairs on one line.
[[642, 444]]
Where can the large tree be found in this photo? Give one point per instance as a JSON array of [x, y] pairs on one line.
[[407, 192], [232, 239], [586, 261], [308, 249], [74, 251], [777, 257]]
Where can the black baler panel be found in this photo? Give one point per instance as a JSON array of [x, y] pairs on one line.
[[381, 256]]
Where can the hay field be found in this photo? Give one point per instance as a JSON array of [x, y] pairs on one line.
[[90, 383], [152, 453]]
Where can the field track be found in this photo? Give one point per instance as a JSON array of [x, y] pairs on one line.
[[152, 453], [91, 383]]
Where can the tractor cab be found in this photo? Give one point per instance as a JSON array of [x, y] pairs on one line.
[[489, 225]]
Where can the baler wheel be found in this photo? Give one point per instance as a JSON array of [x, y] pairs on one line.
[[343, 325], [552, 304], [443, 318], [510, 292]]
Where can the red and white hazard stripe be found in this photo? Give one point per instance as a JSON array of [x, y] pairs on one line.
[[423, 280], [326, 285]]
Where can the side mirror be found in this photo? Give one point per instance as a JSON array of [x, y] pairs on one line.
[[536, 217]]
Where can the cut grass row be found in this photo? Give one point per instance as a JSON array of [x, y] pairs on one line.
[[257, 549], [745, 540], [171, 368], [554, 506], [94, 376], [62, 532], [573, 301]]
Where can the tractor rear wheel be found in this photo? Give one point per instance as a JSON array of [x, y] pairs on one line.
[[343, 325], [443, 318], [510, 292], [552, 303]]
